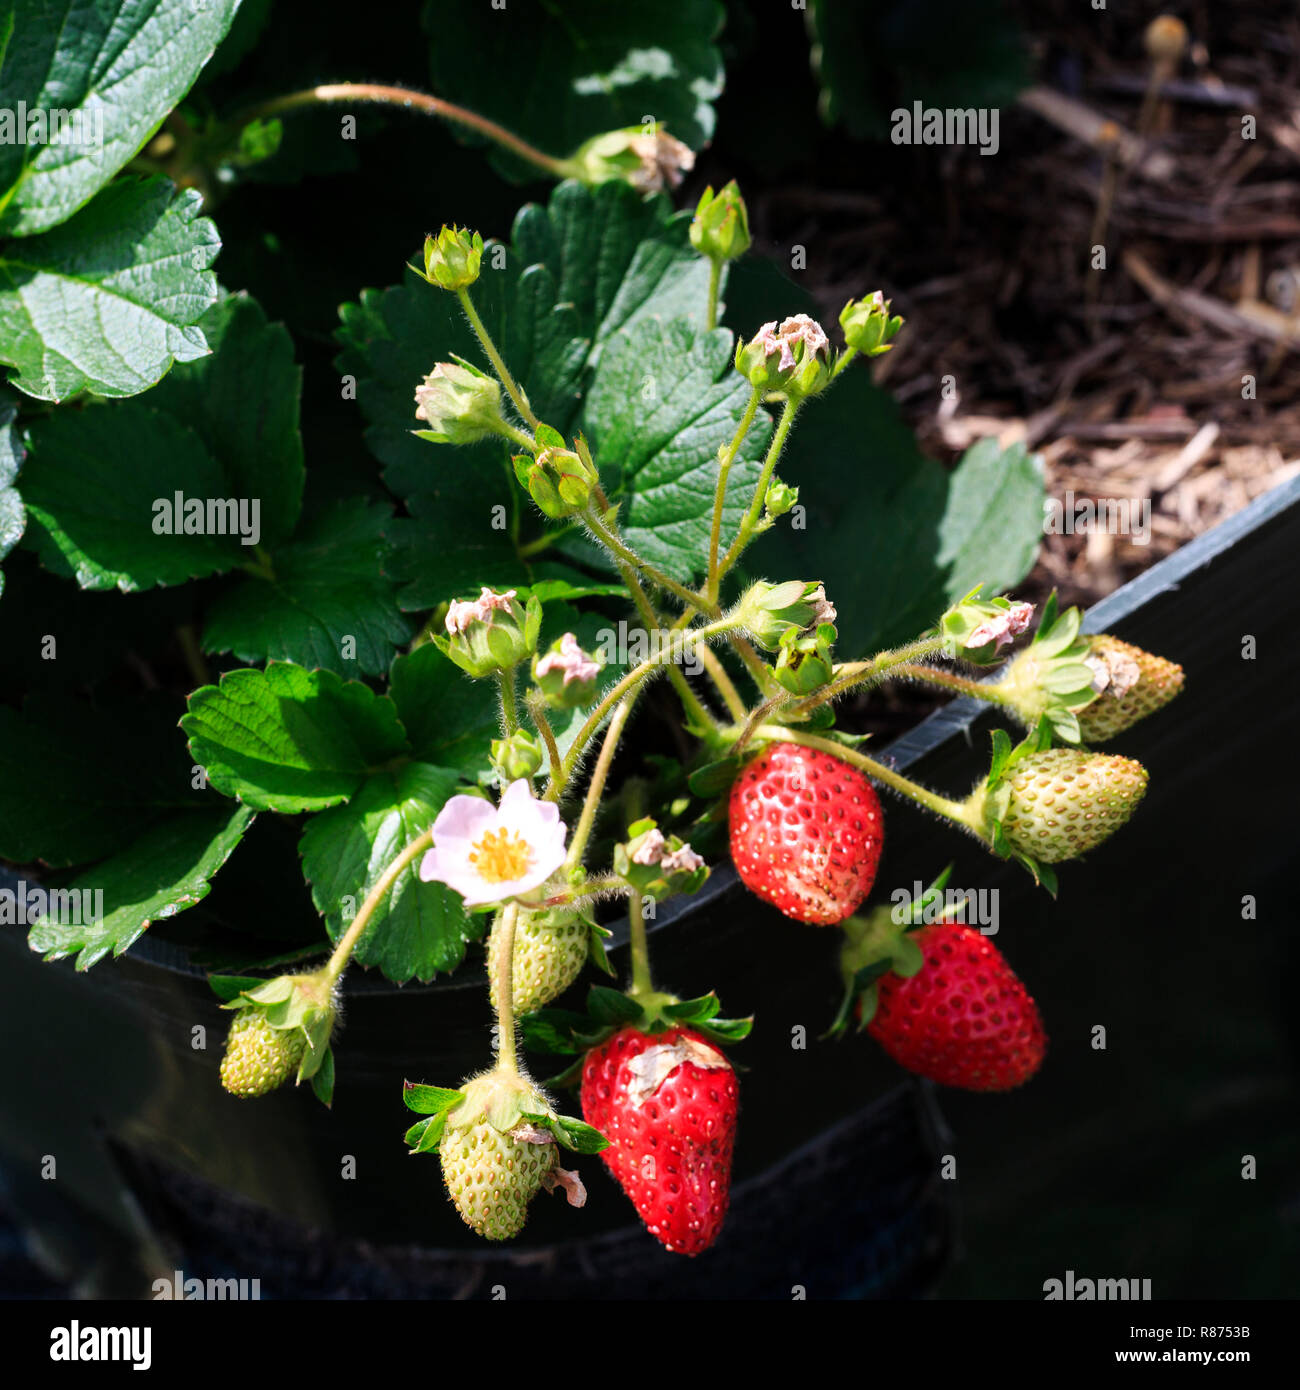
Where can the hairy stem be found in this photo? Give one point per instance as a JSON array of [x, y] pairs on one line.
[[711, 308], [537, 709], [377, 93], [640, 947], [725, 685], [498, 362], [596, 787], [949, 680], [691, 703], [506, 1055], [509, 705], [864, 673], [614, 543], [746, 531], [343, 951], [726, 459]]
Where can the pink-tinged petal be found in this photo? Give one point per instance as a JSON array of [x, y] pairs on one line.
[[463, 818], [651, 849]]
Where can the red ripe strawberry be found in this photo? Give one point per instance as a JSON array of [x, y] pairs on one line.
[[964, 1019], [806, 832], [667, 1104]]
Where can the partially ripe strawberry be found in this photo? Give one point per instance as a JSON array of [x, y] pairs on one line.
[[964, 1019], [550, 951], [667, 1104], [1132, 683], [1065, 801], [259, 1058], [806, 832]]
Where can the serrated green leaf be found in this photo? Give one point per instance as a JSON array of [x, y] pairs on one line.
[[444, 712], [419, 928], [591, 67], [325, 594], [288, 739], [430, 1100], [110, 299], [119, 66], [166, 870], [664, 399]]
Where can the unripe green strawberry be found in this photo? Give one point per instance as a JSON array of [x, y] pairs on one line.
[[492, 1176], [259, 1058], [1065, 801], [550, 951], [1132, 683]]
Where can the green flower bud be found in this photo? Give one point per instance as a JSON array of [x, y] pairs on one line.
[[771, 612], [794, 358], [720, 229], [977, 631], [451, 259], [518, 756], [566, 675], [647, 158], [805, 663], [868, 325], [658, 865], [779, 499], [557, 480], [460, 403], [490, 633]]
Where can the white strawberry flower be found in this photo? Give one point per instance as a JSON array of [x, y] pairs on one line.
[[490, 854]]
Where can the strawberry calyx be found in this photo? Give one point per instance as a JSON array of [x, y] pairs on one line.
[[1051, 679], [567, 1032], [304, 1004], [879, 943], [510, 1103], [989, 803]]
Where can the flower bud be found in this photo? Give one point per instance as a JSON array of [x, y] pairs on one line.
[[658, 865], [804, 663], [977, 631], [490, 633], [650, 160], [451, 259], [518, 756], [720, 229], [794, 358], [779, 498], [868, 325], [566, 675], [557, 480], [770, 612], [460, 403]]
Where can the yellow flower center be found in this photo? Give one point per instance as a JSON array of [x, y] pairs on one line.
[[501, 856]]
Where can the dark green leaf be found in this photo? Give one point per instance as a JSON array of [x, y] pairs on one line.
[[288, 739], [611, 1006], [326, 595], [447, 716], [230, 987], [12, 516], [165, 871]]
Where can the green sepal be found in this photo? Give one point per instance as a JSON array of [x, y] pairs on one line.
[[231, 987], [576, 1135], [869, 1000], [548, 438], [322, 1080], [854, 989], [612, 1006], [596, 952], [694, 1010], [430, 1100], [725, 1030], [562, 1031], [715, 778], [276, 991], [425, 1135]]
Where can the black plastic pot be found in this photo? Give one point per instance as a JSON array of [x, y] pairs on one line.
[[1122, 1162]]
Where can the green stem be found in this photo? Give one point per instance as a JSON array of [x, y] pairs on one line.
[[506, 1055], [690, 701], [720, 493], [725, 685], [640, 947], [959, 812], [843, 361], [931, 675], [607, 537], [595, 788], [711, 308], [630, 682], [543, 542], [343, 951], [419, 101], [509, 705], [764, 477], [537, 708], [498, 362], [862, 673], [516, 436]]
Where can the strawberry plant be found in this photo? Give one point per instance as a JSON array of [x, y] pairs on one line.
[[622, 469]]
